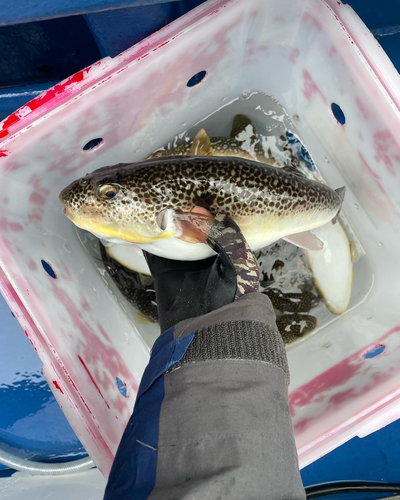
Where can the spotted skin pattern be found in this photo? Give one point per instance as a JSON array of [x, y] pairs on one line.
[[136, 288], [245, 190], [294, 326], [222, 146], [292, 302]]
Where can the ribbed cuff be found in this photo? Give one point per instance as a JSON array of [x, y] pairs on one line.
[[241, 340]]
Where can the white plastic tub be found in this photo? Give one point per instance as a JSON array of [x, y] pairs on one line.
[[307, 54]]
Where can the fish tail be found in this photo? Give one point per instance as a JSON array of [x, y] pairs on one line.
[[340, 192]]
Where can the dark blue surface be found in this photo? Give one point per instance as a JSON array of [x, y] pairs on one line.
[[34, 57], [122, 28], [45, 51], [32, 424], [391, 44], [373, 458], [20, 11]]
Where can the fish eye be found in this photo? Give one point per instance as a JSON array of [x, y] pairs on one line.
[[108, 191]]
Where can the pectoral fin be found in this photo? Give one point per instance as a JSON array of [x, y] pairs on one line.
[[201, 144], [306, 240], [195, 225]]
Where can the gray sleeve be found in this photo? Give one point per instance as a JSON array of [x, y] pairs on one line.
[[225, 429]]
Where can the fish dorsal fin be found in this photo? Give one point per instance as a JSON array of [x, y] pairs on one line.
[[201, 144], [306, 240], [290, 169], [239, 125]]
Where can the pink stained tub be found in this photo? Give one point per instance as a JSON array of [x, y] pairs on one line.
[[307, 55]]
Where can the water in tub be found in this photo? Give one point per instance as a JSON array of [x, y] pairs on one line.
[[308, 289]]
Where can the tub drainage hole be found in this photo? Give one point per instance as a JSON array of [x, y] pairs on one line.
[[338, 113], [94, 143], [197, 78], [121, 387], [49, 270], [374, 351]]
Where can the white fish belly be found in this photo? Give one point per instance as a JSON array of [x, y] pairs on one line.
[[332, 267]]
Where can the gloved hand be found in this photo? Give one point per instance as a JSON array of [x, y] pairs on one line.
[[213, 398], [193, 288]]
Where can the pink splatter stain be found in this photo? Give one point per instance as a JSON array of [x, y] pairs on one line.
[[3, 224], [30, 340], [395, 329], [363, 109], [338, 399], [37, 199], [15, 226], [161, 45], [6, 225], [340, 374], [32, 266], [34, 216], [374, 174], [313, 20], [385, 148], [85, 305], [331, 378], [294, 55], [103, 332], [56, 385], [333, 51], [92, 380], [36, 182], [95, 351], [310, 87], [66, 274]]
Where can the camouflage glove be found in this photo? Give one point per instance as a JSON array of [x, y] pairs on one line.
[[188, 289]]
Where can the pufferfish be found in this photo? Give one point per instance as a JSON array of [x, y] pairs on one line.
[[242, 142], [150, 204]]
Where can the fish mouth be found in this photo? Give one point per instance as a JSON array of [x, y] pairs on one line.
[[112, 233], [62, 196]]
